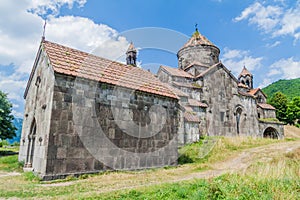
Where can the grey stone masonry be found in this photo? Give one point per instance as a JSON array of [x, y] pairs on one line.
[[97, 126]]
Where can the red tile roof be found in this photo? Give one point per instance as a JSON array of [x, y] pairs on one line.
[[254, 91], [76, 63], [245, 94], [194, 102], [176, 72], [266, 106], [191, 117]]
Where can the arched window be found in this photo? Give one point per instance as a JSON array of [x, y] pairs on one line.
[[248, 83]]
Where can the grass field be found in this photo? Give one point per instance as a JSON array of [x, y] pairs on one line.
[[270, 174]]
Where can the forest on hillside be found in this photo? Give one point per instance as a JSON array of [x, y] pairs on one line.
[[290, 88], [284, 95]]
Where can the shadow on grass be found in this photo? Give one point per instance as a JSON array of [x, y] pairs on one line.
[[7, 153]]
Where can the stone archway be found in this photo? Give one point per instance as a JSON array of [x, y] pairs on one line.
[[31, 144], [270, 132], [238, 114]]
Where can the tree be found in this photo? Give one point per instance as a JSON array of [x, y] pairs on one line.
[[293, 111], [279, 101], [7, 128]]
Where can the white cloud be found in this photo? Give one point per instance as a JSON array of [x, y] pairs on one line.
[[82, 33], [235, 60], [276, 20], [282, 69], [17, 114], [52, 7], [21, 27], [265, 17], [265, 82], [288, 68], [275, 44], [273, 72]]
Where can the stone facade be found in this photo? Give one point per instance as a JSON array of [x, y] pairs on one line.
[[85, 114], [231, 106], [76, 125]]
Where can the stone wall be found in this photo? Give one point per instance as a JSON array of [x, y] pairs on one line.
[[221, 94], [37, 111], [266, 113], [202, 54], [276, 127], [96, 126]]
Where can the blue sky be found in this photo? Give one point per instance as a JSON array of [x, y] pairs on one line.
[[262, 35]]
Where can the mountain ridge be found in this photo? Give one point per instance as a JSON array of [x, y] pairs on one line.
[[289, 87]]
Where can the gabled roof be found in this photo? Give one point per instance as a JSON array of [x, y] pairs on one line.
[[255, 91], [195, 64], [215, 66], [69, 61], [194, 102], [187, 85], [178, 92], [245, 94], [191, 117], [188, 109], [266, 106], [245, 72], [176, 72]]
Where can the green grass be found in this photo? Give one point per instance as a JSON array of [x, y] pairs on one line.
[[9, 159], [223, 148], [277, 178], [228, 186]]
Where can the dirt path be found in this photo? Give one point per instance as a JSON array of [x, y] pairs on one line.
[[4, 174], [238, 163], [244, 159]]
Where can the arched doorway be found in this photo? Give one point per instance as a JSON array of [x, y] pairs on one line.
[[270, 132], [238, 118], [31, 144]]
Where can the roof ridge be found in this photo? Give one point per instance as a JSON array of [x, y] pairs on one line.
[[73, 62], [90, 54]]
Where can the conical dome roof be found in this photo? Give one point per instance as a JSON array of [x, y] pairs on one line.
[[245, 72], [197, 39]]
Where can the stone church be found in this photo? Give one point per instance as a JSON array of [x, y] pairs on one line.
[[85, 114]]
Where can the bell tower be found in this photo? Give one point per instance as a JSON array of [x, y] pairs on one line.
[[131, 55], [246, 78]]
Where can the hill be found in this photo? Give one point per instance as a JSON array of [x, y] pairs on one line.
[[18, 124], [291, 88]]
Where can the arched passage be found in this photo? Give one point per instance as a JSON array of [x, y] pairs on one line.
[[270, 132], [238, 118], [31, 143]]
